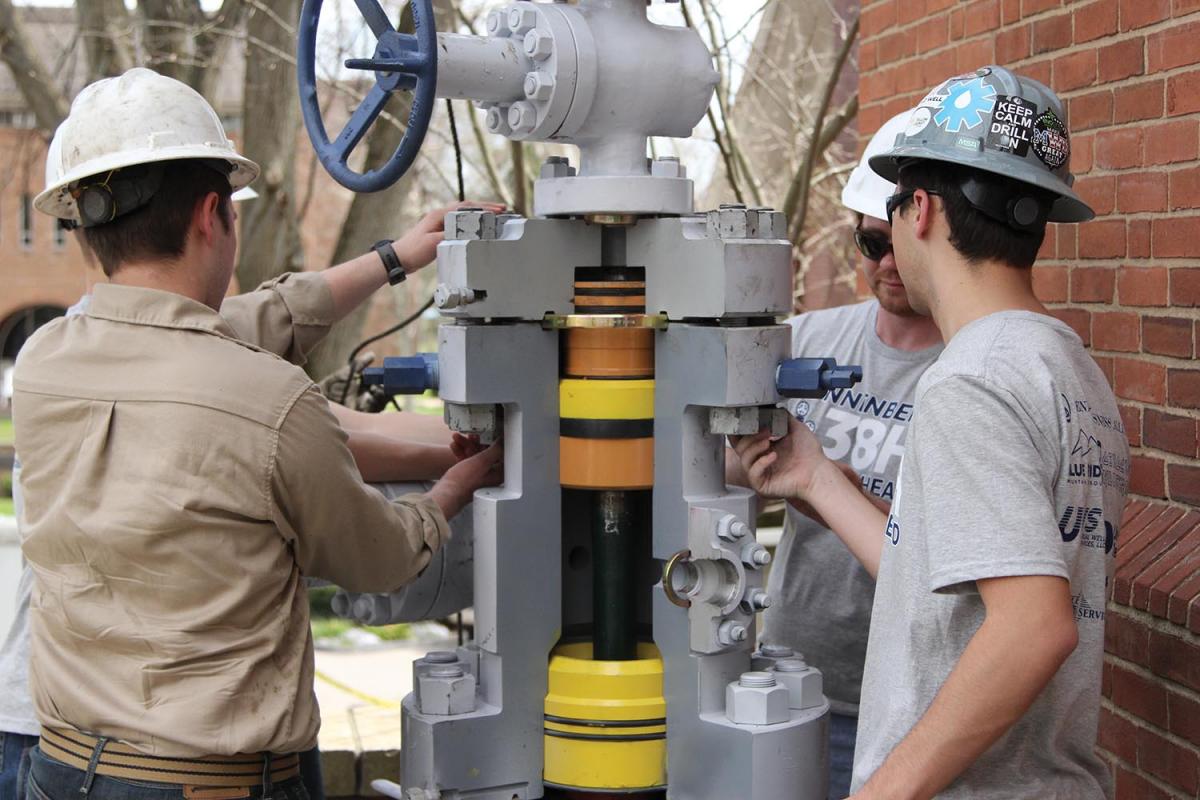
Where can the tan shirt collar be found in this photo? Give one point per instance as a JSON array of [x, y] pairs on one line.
[[137, 305]]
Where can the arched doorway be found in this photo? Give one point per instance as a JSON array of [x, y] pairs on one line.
[[14, 332]]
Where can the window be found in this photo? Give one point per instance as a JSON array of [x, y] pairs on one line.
[[26, 221]]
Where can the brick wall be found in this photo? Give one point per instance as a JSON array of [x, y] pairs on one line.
[[1129, 283]]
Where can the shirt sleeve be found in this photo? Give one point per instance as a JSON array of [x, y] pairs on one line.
[[339, 527], [288, 315], [987, 487]]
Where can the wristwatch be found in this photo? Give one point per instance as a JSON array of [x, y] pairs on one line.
[[391, 261]]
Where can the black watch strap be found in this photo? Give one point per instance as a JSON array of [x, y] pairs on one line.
[[391, 262]]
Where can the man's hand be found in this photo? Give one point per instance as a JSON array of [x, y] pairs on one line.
[[458, 485], [418, 247], [782, 469], [464, 446]]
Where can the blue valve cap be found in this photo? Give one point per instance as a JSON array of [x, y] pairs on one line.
[[405, 375]]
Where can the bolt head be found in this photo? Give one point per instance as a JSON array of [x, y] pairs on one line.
[[538, 45], [497, 120], [539, 85], [522, 117], [521, 20], [497, 23]]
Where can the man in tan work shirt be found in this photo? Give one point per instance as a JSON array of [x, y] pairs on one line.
[[180, 482]]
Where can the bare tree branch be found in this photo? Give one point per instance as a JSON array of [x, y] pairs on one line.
[[108, 53], [45, 99], [795, 207]]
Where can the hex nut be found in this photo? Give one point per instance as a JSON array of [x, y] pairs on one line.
[[805, 684], [731, 529], [731, 222], [469, 224], [539, 85], [754, 555], [521, 20], [538, 45], [479, 419], [443, 690], [497, 23], [557, 167], [497, 120], [731, 632], [522, 117], [756, 705]]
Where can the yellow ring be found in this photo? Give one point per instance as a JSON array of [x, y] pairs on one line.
[[592, 399]]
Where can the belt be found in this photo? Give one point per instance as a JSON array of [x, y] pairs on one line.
[[117, 760]]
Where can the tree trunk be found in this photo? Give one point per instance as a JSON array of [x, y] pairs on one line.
[[270, 238], [45, 99], [101, 23]]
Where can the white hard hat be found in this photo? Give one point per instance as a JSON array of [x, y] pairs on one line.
[[140, 117], [245, 193], [866, 192], [54, 158]]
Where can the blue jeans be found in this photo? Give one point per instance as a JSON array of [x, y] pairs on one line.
[[843, 731], [14, 764], [53, 780]]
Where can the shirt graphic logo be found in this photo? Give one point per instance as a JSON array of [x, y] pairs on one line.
[[1084, 444], [965, 105], [1085, 611]]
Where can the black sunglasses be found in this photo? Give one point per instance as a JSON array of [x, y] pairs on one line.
[[874, 246], [897, 200]]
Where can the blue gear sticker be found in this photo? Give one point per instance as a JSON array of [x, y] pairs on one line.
[[965, 105]]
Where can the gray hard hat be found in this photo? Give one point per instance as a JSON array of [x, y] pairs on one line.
[[997, 122]]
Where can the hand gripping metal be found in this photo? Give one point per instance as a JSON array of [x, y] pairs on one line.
[[401, 61]]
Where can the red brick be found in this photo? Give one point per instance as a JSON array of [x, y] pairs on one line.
[[1183, 94], [1137, 695], [1093, 284], [1185, 287], [1012, 44], [1082, 151], [1117, 735], [1184, 714], [956, 24], [1144, 550], [1147, 476], [1152, 589], [1137, 238], [1140, 380], [1122, 60], [910, 11], [1010, 11], [1142, 286], [1167, 336], [1183, 388], [1131, 786], [1176, 46], [1167, 761], [878, 17], [1172, 142], [979, 53], [1175, 658], [1067, 240], [981, 17], [1095, 20], [1031, 7], [1075, 70], [1182, 598], [1119, 149], [1053, 33], [1127, 638], [1176, 237], [1141, 191], [1131, 418], [1181, 8], [1133, 510], [1141, 101], [1185, 188], [1099, 192], [1050, 284], [1087, 111], [1107, 368], [1116, 330], [1183, 480], [1144, 529], [1140, 13], [1169, 432], [1079, 320], [932, 34], [1102, 239], [867, 58], [938, 67]]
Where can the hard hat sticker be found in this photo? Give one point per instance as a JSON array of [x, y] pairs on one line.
[[1011, 129], [918, 122], [1050, 140], [965, 105]]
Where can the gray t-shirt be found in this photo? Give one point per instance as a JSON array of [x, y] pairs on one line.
[[822, 594], [1017, 464]]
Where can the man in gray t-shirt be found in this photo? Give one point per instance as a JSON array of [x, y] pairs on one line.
[[982, 677], [822, 595]]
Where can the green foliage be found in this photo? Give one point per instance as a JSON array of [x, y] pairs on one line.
[[6, 431], [6, 507]]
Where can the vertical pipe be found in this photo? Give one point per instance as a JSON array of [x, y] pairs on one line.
[[614, 607]]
